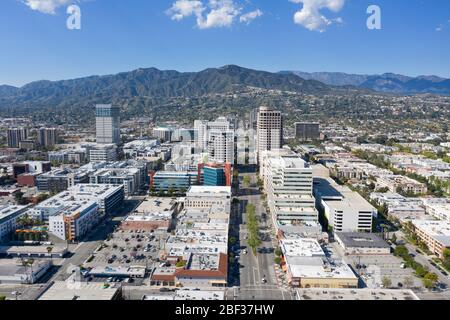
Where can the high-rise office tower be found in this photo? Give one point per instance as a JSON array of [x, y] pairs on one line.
[[253, 119], [47, 137], [269, 134], [203, 128], [221, 146], [307, 131], [107, 124], [15, 135]]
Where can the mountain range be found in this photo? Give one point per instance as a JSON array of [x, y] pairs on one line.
[[151, 86], [385, 83]]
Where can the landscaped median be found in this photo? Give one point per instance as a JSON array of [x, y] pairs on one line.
[[253, 228]]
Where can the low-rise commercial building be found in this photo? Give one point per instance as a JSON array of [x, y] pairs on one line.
[[67, 290], [354, 243], [153, 213], [307, 266], [203, 197], [12, 271]]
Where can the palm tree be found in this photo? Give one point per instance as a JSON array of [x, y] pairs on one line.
[[49, 251], [28, 263]]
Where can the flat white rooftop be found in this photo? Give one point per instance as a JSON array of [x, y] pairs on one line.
[[355, 294], [209, 190], [8, 210], [289, 162], [301, 248], [315, 267], [62, 290], [152, 205]]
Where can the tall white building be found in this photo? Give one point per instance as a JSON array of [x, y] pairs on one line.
[[289, 185], [216, 137], [221, 146], [107, 124], [269, 133]]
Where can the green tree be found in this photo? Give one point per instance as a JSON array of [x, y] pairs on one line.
[[428, 283], [387, 282], [394, 238], [2, 298], [401, 251], [420, 271], [278, 252], [277, 260], [432, 277], [408, 282], [246, 181], [447, 253]]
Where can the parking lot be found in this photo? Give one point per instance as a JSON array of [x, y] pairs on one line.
[[373, 268], [128, 248]]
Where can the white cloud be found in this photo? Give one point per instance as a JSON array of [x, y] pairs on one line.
[[310, 15], [440, 28], [222, 14], [249, 17], [46, 6], [185, 8], [211, 13]]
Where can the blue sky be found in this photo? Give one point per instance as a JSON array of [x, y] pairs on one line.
[[121, 35]]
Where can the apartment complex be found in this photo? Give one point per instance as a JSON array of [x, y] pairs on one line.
[[15, 136], [47, 137], [434, 233], [397, 183], [107, 197], [75, 220], [8, 219]]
